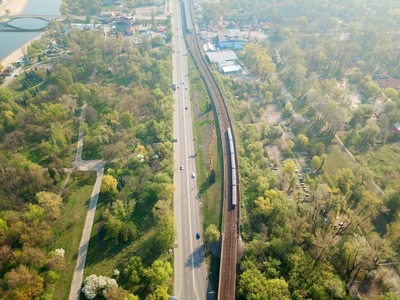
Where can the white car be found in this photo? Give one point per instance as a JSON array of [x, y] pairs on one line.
[[183, 82], [193, 175], [179, 51], [181, 167], [186, 88]]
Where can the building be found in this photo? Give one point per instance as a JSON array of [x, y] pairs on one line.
[[396, 127], [228, 67], [208, 47], [106, 14], [230, 38], [221, 56], [389, 83], [225, 60]]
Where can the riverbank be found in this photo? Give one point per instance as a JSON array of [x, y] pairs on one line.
[[14, 7], [18, 54]]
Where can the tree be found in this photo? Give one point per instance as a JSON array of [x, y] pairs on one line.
[[344, 179], [287, 110], [112, 225], [315, 162], [254, 286], [156, 41], [289, 167], [391, 93], [212, 233], [388, 296], [24, 283], [159, 273], [116, 293], [97, 286], [109, 184], [319, 149], [303, 140], [90, 115], [160, 293], [134, 269], [166, 232], [51, 203]]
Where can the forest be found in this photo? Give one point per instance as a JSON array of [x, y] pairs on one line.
[[334, 236], [43, 202]]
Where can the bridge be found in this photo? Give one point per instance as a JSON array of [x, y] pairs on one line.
[[6, 19]]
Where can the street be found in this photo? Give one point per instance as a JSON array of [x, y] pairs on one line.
[[190, 272]]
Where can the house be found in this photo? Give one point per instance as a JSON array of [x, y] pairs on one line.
[[389, 83], [396, 127], [230, 38]]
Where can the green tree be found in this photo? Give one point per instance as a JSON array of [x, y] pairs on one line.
[[254, 286], [212, 233], [159, 273], [160, 293], [303, 140], [391, 93], [344, 180], [51, 203], [289, 167]]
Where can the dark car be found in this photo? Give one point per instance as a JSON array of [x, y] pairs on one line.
[[197, 235]]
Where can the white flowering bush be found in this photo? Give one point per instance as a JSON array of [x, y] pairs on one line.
[[59, 252], [140, 158], [116, 272], [94, 286]]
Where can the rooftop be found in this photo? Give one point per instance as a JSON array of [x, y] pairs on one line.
[[387, 83], [222, 56]]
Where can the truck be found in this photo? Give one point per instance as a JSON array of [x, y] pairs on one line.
[[174, 87]]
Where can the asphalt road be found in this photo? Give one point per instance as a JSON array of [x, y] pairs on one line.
[[190, 272]]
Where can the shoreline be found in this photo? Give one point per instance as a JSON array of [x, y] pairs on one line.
[[14, 6], [17, 54]]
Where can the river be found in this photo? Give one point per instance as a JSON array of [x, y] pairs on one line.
[[10, 41]]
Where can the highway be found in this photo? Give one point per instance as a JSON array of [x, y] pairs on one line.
[[190, 271]]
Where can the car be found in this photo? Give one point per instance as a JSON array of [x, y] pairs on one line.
[[183, 82], [186, 88], [179, 51], [340, 224], [193, 175], [185, 107], [307, 195], [301, 197], [181, 167], [182, 37], [197, 235]]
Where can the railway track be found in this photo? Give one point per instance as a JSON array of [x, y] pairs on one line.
[[227, 274]]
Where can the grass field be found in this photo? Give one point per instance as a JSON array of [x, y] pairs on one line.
[[68, 228], [210, 192]]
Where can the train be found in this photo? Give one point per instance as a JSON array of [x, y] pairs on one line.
[[232, 168]]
